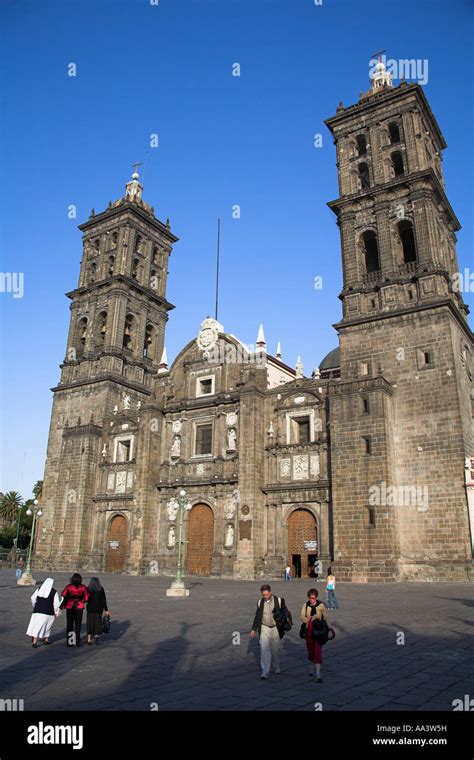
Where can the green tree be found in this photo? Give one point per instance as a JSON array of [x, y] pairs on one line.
[[38, 490], [9, 507]]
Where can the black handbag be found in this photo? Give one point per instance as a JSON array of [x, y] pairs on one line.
[[321, 631], [105, 624], [303, 631], [282, 617]]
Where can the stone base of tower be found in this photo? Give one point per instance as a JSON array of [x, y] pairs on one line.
[[355, 570], [442, 570], [67, 563], [358, 570], [244, 569]]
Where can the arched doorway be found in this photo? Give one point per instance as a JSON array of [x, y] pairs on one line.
[[200, 540], [117, 541], [302, 527]]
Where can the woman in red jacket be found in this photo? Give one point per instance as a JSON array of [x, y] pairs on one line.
[[75, 596]]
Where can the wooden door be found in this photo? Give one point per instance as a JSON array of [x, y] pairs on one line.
[[301, 527], [117, 544], [200, 540]]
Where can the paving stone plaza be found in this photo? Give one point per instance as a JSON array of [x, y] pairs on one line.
[[184, 654]]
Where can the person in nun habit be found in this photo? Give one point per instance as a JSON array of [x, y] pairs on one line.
[[96, 607], [45, 603]]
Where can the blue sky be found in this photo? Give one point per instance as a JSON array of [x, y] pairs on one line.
[[167, 69]]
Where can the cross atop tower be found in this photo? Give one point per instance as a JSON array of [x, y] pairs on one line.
[[378, 54], [135, 168]]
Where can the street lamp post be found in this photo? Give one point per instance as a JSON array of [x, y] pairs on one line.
[[178, 588], [20, 507], [27, 578]]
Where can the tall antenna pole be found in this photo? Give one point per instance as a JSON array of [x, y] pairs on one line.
[[217, 267]]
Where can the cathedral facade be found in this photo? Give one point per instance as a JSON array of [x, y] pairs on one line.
[[366, 464]]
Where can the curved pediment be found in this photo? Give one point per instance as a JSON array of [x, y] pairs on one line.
[[299, 396]]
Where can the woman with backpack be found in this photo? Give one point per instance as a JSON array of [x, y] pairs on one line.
[[75, 596], [315, 630], [96, 607]]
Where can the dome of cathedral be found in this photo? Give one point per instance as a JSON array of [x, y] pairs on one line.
[[331, 360]]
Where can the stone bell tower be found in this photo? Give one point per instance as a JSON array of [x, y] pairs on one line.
[[118, 315], [401, 416]]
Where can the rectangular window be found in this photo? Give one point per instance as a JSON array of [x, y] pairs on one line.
[[205, 386], [371, 517], [425, 358], [368, 444], [366, 406], [203, 439], [299, 429], [124, 450], [302, 429]]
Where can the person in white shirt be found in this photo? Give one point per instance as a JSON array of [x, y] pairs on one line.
[[333, 604], [269, 633]]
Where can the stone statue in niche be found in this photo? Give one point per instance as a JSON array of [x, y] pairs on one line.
[[126, 401], [231, 419], [231, 439], [229, 536], [176, 447], [171, 536], [172, 510], [230, 505]]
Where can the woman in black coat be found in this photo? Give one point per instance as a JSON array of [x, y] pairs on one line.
[[96, 607]]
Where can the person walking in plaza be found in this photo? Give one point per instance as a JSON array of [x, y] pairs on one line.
[[45, 601], [313, 616], [20, 565], [272, 618], [96, 608], [287, 573], [333, 604], [75, 596]]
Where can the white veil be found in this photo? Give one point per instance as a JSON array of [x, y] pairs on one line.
[[46, 587]]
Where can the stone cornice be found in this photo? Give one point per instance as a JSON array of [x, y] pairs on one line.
[[291, 448], [149, 293], [113, 497], [199, 482], [114, 211], [378, 383], [295, 485], [105, 377], [89, 429], [343, 204], [204, 402], [387, 96], [409, 310]]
